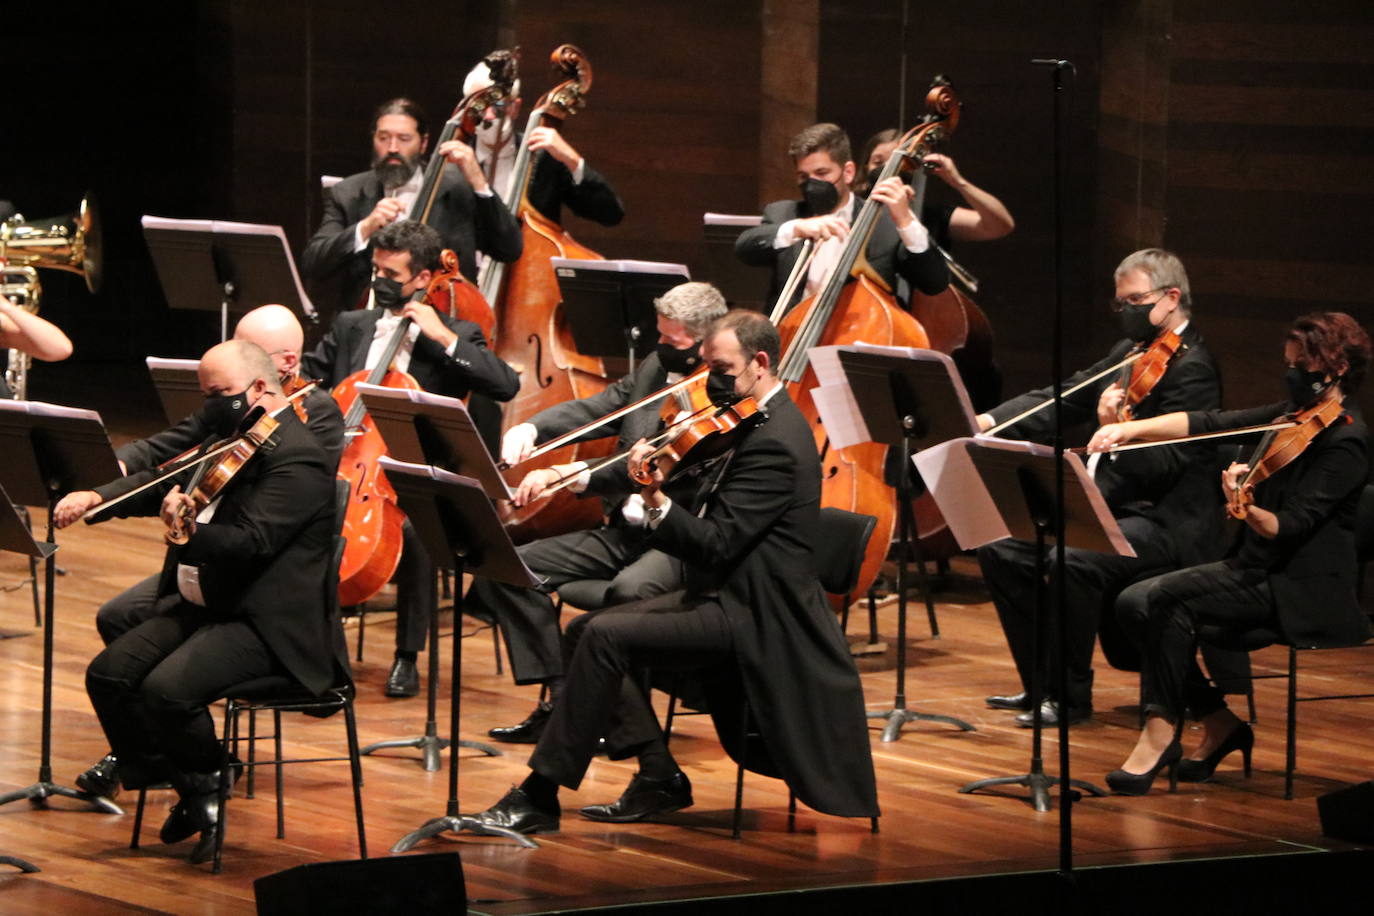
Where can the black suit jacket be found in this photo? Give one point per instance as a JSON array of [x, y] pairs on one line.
[[1311, 564], [552, 187], [472, 367], [886, 253], [266, 553], [1173, 486], [465, 222], [753, 548]]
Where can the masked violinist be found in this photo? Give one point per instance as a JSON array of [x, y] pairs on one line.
[[1163, 501], [1291, 568], [618, 552]]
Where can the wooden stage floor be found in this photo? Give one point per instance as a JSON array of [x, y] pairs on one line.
[[928, 829]]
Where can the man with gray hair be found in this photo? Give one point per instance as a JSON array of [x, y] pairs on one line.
[[1163, 498], [616, 552]]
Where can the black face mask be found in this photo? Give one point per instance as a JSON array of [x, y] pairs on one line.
[[679, 361], [224, 412], [720, 388], [821, 197], [1303, 386], [387, 292], [1135, 323]]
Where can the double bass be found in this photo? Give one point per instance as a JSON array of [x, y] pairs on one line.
[[857, 304], [532, 334]]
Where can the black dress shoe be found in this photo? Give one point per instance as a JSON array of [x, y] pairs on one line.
[[1242, 739], [526, 732], [1124, 783], [404, 679], [1018, 702], [516, 812], [644, 798], [101, 779], [195, 813], [1049, 715]]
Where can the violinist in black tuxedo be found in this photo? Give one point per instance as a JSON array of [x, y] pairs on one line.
[[752, 620], [617, 552], [239, 600], [467, 214], [898, 247], [446, 356], [1291, 569]]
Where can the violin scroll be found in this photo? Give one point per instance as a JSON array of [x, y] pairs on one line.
[[568, 97], [504, 67]]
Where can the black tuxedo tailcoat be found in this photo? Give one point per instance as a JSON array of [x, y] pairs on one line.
[[886, 253], [465, 221], [753, 548]]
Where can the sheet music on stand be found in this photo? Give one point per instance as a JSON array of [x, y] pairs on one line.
[[423, 428], [216, 265], [178, 385], [610, 304], [743, 285]]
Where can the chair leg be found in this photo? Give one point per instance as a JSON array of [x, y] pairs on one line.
[[1250, 702], [672, 714], [496, 646], [872, 617], [791, 811], [225, 781], [138, 818], [739, 803], [281, 793], [356, 765], [873, 824], [1292, 755], [844, 617], [362, 630], [252, 749]]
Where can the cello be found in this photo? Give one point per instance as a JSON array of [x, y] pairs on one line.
[[372, 520], [856, 304], [532, 334]]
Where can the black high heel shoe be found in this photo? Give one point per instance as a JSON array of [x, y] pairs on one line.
[[1241, 739], [1123, 783]]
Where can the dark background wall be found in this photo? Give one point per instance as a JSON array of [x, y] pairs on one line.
[[1238, 133]]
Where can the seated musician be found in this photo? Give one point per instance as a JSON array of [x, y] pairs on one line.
[[445, 356], [752, 612], [1291, 567], [241, 599], [899, 245], [27, 333], [560, 176], [983, 219], [275, 329], [1164, 502], [618, 552], [467, 214]]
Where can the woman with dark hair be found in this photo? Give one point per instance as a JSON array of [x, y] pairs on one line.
[[1292, 567]]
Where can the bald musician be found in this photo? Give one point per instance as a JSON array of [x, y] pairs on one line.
[[275, 329]]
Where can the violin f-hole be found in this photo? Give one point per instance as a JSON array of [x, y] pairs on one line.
[[543, 381]]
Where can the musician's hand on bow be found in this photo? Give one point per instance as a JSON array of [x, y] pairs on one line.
[[431, 325], [463, 156], [387, 211], [546, 138], [534, 485], [1110, 434], [643, 470], [1109, 404], [820, 228], [174, 505], [74, 505], [517, 443]]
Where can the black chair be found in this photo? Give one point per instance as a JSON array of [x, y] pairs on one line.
[[839, 555], [1263, 637], [281, 694]]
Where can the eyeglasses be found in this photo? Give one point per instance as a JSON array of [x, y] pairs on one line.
[[1137, 300]]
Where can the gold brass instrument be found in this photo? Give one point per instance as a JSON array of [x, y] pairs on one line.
[[70, 243]]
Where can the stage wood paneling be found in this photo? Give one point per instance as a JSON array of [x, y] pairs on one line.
[[927, 829]]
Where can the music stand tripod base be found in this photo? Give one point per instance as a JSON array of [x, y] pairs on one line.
[[457, 823], [1038, 782], [39, 793], [26, 867]]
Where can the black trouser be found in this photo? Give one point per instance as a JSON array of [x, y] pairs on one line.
[[1164, 613], [1091, 583], [415, 599], [601, 698], [528, 618], [127, 610], [150, 688]]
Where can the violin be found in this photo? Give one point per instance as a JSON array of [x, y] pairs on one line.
[[702, 435], [295, 389], [1281, 447], [1147, 370], [211, 478]]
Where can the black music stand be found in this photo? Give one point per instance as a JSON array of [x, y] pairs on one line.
[[178, 386], [420, 428], [907, 399], [743, 285], [610, 304], [51, 450], [1017, 480], [213, 265], [460, 529]]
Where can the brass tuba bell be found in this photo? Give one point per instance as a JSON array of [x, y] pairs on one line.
[[70, 243]]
